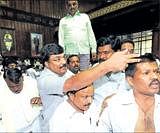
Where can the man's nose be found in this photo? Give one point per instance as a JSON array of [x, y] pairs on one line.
[[72, 6], [155, 75], [90, 99], [102, 56]]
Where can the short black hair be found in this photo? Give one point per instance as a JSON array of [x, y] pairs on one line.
[[70, 56], [103, 41], [13, 74], [147, 57], [9, 60], [110, 40], [127, 40], [50, 49]]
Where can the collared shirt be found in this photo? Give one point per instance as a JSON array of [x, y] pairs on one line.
[[17, 113], [76, 35], [122, 113], [67, 119], [50, 86], [109, 84]]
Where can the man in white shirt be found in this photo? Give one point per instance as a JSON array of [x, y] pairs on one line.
[[19, 102], [140, 106], [76, 114], [76, 35], [51, 80], [73, 63], [110, 82]]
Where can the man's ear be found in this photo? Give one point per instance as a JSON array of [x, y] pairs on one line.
[[66, 4], [130, 80], [71, 96], [46, 64]]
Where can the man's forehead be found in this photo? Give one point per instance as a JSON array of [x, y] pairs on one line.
[[146, 65], [74, 58], [127, 44], [105, 48], [71, 1], [108, 46], [56, 55]]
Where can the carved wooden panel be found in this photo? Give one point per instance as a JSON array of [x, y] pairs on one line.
[[22, 35]]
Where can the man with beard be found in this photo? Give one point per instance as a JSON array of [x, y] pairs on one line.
[[140, 105], [77, 113], [51, 80], [73, 63], [76, 35]]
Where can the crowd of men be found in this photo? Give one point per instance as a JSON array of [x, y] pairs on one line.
[[119, 92], [95, 99]]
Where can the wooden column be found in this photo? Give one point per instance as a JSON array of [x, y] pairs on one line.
[[156, 36], [156, 41]]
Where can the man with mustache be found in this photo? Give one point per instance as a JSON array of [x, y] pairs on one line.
[[136, 110], [76, 113], [73, 63], [51, 80], [110, 82], [76, 35]]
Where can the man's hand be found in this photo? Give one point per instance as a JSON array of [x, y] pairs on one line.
[[119, 60], [36, 101]]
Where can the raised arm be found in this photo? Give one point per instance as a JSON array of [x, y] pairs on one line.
[[117, 62]]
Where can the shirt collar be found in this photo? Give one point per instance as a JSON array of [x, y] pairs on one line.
[[76, 14], [129, 98], [157, 99], [72, 110]]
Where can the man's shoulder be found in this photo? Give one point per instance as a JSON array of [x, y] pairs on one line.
[[28, 78], [69, 73], [63, 18], [47, 78], [84, 16], [122, 98], [47, 73], [157, 96], [60, 110]]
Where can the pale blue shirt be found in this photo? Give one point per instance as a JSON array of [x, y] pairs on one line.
[[76, 35], [121, 114], [49, 84], [109, 84]]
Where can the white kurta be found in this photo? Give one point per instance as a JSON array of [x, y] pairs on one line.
[[17, 114]]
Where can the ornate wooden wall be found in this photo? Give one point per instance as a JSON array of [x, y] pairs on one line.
[[22, 35], [23, 29]]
